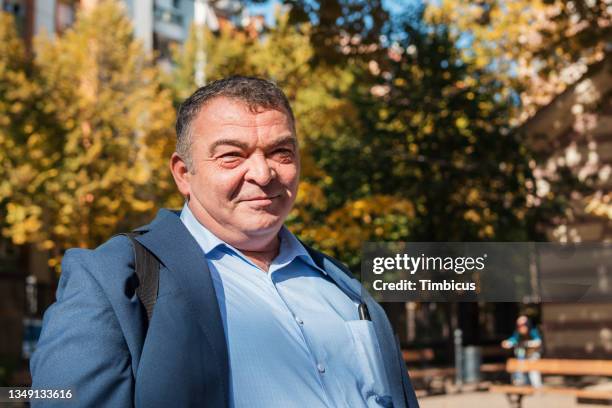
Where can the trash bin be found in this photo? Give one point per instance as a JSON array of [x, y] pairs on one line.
[[472, 359]]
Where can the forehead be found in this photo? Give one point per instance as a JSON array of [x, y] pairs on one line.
[[224, 117]]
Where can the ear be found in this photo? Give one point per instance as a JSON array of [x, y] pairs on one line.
[[181, 174]]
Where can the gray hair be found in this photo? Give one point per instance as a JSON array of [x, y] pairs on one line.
[[256, 93]]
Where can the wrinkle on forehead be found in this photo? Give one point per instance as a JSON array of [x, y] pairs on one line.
[[228, 112], [228, 119]]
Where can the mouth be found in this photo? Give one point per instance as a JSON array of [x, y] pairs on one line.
[[261, 200]]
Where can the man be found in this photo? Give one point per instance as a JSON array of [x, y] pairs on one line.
[[246, 315]]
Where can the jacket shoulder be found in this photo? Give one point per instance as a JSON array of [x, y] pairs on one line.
[[117, 251], [110, 265]]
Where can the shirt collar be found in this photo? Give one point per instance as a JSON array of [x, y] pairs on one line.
[[290, 247], [205, 239]]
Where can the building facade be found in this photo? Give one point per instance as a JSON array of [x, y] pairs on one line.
[[575, 130], [157, 23]]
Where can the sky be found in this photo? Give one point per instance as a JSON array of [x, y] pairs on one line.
[[267, 8]]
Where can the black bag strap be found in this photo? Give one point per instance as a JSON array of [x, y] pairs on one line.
[[147, 270]]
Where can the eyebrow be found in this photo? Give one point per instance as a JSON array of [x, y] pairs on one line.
[[230, 142], [283, 141], [244, 146]]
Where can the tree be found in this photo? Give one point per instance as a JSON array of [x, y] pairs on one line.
[[438, 135], [25, 128], [103, 167], [411, 145], [341, 27], [227, 52], [536, 47]]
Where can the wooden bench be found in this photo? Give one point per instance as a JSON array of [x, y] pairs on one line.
[[418, 356], [419, 360], [515, 393]]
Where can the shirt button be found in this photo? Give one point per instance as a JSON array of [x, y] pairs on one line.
[[321, 368], [300, 321]]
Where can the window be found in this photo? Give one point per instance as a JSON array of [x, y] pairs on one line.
[[65, 14], [18, 9]]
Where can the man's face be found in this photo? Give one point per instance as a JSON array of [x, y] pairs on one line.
[[245, 168]]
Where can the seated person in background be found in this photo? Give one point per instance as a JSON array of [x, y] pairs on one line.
[[527, 344]]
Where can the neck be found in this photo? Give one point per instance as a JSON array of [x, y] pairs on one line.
[[263, 258], [261, 249]]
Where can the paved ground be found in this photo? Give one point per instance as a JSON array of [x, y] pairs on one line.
[[491, 400]]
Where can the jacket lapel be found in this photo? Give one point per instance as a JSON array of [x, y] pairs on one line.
[[168, 239]]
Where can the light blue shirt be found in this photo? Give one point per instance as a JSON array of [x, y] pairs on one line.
[[294, 338]]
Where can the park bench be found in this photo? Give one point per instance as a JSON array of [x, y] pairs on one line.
[[418, 356], [515, 393], [429, 379]]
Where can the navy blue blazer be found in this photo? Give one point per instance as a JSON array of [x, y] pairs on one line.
[[93, 337]]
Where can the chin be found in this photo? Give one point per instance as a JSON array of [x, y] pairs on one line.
[[263, 226]]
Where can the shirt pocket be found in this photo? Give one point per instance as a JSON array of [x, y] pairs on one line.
[[368, 362]]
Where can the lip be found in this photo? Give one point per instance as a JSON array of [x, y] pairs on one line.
[[261, 199]]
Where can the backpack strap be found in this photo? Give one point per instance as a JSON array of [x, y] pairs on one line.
[[147, 271]]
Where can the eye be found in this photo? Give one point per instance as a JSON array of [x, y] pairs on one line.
[[230, 154], [283, 155], [230, 159]]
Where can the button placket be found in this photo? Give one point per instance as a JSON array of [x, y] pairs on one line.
[[319, 366]]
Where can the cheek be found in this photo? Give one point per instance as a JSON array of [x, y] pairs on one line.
[[289, 175], [217, 185]]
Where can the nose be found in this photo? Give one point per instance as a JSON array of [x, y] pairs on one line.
[[259, 170]]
